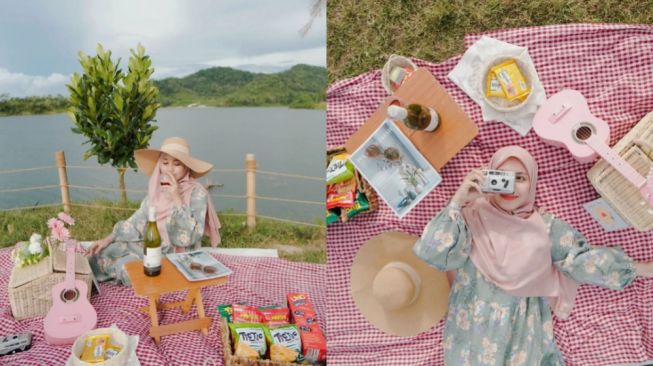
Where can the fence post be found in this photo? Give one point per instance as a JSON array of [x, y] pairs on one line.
[[250, 168], [60, 158]]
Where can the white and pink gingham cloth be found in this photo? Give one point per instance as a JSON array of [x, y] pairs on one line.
[[612, 65], [256, 280]]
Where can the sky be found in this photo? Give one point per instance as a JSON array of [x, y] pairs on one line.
[[40, 39]]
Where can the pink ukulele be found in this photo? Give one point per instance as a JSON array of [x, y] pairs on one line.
[[565, 120], [71, 314]]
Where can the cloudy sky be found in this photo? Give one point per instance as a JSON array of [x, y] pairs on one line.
[[39, 40]]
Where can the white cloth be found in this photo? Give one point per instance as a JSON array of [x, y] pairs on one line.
[[466, 76]]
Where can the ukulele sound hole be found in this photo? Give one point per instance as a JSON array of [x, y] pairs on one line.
[[583, 133], [69, 295]]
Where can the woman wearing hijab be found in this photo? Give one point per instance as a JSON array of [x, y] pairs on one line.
[[513, 266], [184, 211]]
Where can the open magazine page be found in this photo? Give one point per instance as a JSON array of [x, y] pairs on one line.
[[397, 171], [198, 265]]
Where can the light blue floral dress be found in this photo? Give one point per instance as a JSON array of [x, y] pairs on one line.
[[185, 227], [485, 325]]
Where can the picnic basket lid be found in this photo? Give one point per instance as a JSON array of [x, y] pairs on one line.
[[20, 276]]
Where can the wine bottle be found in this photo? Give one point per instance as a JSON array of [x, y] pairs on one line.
[[415, 116], [152, 246]]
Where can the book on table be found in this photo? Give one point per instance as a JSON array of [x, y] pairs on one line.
[[198, 265]]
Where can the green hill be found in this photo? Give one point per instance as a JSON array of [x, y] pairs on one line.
[[302, 86]]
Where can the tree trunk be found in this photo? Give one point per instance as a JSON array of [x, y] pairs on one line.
[[123, 191]]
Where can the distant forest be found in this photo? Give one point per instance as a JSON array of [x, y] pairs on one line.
[[302, 86]]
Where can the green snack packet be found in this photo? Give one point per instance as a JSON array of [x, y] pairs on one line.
[[226, 311], [331, 217], [360, 205], [285, 343], [249, 340]]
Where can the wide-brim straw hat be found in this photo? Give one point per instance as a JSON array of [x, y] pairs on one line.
[[395, 290], [176, 147]]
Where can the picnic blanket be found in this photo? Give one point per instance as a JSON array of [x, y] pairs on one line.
[[612, 66], [255, 280]]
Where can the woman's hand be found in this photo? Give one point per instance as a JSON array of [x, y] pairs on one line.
[[98, 246], [644, 269], [470, 189], [173, 189]]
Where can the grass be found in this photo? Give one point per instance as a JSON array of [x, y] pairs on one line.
[[362, 34], [294, 242]]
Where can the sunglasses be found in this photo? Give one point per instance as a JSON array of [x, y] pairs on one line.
[[390, 153], [196, 266]]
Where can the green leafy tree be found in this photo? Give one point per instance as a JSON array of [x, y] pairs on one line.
[[113, 109]]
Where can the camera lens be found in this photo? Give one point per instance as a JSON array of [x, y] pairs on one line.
[[493, 182]]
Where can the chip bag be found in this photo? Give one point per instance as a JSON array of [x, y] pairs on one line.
[[246, 314], [248, 337], [339, 169], [285, 343]]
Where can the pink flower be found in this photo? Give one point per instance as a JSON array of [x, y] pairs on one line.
[[54, 223], [66, 218], [60, 233]]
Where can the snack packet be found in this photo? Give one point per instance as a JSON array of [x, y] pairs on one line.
[[274, 316], [511, 79], [313, 340], [360, 205], [94, 347], [331, 217], [112, 350], [494, 86], [246, 314], [340, 169], [341, 194], [285, 343], [226, 311], [249, 340]]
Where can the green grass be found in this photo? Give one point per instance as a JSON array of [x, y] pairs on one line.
[[294, 242], [362, 34]]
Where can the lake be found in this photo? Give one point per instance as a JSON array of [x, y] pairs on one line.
[[284, 140]]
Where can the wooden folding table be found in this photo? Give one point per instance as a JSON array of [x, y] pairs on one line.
[[170, 280]]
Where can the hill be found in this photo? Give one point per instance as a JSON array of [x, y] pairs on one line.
[[302, 86]]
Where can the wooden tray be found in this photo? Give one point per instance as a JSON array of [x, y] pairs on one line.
[[438, 147]]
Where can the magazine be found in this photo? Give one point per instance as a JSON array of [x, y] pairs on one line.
[[396, 170], [198, 265]]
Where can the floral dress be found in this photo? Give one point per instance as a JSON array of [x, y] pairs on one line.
[[485, 325], [185, 227]]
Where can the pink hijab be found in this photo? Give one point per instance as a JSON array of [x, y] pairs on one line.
[[512, 249], [164, 206]]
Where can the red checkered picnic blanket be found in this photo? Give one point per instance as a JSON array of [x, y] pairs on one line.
[[612, 66], [257, 281]]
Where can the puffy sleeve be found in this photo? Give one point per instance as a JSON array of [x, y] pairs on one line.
[[607, 267], [186, 224], [133, 228], [445, 243]]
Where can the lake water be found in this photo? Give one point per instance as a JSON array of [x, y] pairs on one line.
[[283, 140]]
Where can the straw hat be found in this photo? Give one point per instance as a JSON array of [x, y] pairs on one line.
[[395, 290], [176, 147]]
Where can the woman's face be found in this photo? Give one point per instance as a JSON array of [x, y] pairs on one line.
[[171, 166], [510, 202]]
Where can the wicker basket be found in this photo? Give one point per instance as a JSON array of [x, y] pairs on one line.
[[231, 360], [361, 183], [636, 147], [30, 287]]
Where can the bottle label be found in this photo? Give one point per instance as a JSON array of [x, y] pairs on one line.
[[435, 120], [152, 257]]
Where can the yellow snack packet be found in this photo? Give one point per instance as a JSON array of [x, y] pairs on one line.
[[112, 350], [94, 347], [511, 79], [494, 88]]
